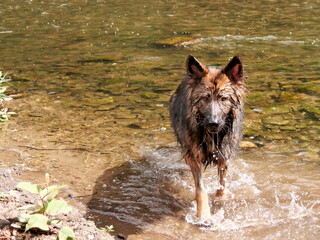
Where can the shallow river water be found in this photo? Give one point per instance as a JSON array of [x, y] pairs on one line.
[[91, 82]]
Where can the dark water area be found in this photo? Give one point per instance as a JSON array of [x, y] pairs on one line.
[[98, 75]]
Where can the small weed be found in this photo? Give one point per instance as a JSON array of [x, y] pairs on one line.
[[4, 114], [44, 214], [108, 229]]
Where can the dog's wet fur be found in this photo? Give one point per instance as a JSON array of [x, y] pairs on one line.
[[206, 114]]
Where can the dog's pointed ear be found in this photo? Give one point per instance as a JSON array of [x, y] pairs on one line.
[[234, 70], [195, 68]]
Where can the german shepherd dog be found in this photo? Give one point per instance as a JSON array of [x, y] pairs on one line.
[[206, 114]]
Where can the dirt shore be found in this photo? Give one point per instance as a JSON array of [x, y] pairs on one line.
[[11, 199]]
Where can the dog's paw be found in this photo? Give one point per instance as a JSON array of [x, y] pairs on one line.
[[222, 195]]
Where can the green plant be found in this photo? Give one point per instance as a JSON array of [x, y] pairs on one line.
[[4, 114], [108, 229], [44, 213]]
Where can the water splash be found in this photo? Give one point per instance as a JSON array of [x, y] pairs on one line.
[[254, 202], [260, 211], [262, 199]]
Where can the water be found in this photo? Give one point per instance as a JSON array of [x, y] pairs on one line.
[[92, 81], [156, 196]]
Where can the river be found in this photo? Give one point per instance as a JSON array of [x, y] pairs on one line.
[[92, 81]]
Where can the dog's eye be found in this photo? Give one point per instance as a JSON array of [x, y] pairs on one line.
[[206, 98], [223, 99]]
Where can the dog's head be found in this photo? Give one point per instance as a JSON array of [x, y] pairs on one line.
[[216, 94]]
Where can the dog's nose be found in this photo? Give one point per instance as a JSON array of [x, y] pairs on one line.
[[213, 125], [214, 121]]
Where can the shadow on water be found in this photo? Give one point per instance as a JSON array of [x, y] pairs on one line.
[[135, 194]]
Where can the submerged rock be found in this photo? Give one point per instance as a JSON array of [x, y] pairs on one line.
[[134, 126], [277, 136], [312, 111], [104, 59], [310, 88], [148, 95], [288, 128], [247, 144], [173, 42], [276, 120]]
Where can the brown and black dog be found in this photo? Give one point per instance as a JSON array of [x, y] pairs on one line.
[[207, 116]]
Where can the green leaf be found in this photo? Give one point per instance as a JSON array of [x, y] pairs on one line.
[[35, 208], [33, 188], [24, 218], [9, 113], [49, 193], [37, 221], [4, 118], [3, 89], [54, 222], [55, 207], [17, 225], [66, 233], [108, 229]]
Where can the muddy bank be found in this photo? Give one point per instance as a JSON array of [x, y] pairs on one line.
[[11, 199]]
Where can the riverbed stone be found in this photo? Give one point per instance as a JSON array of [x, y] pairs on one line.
[[102, 59], [173, 41], [276, 120], [310, 88], [278, 136], [312, 111], [288, 128], [247, 144], [148, 95]]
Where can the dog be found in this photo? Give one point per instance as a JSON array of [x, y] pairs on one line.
[[206, 112]]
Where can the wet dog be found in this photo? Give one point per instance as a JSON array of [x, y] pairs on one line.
[[206, 114]]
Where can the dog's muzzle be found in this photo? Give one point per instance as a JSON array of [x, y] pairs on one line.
[[213, 127]]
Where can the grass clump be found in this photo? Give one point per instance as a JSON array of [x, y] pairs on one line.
[[4, 114]]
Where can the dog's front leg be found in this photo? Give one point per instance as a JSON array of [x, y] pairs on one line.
[[222, 172], [203, 208]]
